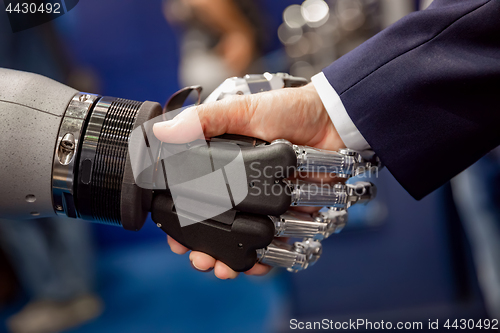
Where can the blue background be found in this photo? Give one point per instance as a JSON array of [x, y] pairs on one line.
[[409, 262]]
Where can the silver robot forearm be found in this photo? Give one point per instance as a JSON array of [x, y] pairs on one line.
[[31, 110]]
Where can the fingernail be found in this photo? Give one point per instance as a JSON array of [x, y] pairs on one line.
[[200, 270], [164, 124]]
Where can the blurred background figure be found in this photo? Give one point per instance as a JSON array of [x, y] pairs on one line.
[[53, 258], [477, 194], [9, 286], [219, 39]]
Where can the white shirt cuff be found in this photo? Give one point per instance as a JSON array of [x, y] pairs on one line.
[[343, 124]]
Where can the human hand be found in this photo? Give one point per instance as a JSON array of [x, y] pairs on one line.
[[294, 114]]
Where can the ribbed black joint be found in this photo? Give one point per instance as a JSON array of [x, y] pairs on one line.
[[109, 161]]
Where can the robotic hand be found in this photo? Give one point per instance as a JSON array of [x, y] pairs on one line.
[[68, 153], [271, 192]]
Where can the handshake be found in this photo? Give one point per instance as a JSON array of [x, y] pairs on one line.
[[229, 195]]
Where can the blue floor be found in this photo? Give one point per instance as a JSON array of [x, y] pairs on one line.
[[146, 288]]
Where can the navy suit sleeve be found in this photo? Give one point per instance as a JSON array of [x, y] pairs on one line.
[[425, 92]]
